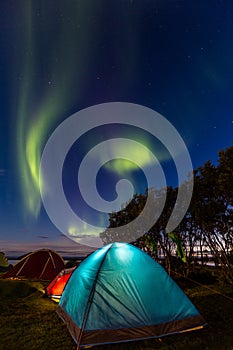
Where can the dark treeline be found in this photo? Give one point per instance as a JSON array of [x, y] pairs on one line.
[[205, 230]]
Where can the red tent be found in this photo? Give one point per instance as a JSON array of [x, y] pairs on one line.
[[42, 264], [55, 288]]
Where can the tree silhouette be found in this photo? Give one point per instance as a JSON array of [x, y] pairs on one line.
[[207, 227]]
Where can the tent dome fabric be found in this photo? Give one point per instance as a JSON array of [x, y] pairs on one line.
[[41, 264], [55, 288], [119, 293]]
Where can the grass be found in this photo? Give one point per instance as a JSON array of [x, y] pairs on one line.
[[29, 322]]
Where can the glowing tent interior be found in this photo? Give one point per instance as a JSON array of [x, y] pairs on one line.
[[120, 294], [43, 264], [55, 288]]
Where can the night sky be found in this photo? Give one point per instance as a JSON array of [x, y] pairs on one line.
[[59, 57]]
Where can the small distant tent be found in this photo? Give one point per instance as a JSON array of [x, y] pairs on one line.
[[41, 264], [55, 288], [118, 294]]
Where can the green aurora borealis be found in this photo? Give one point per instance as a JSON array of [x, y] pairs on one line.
[[65, 53], [57, 58]]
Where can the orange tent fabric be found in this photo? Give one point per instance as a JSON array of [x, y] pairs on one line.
[[55, 288], [41, 264]]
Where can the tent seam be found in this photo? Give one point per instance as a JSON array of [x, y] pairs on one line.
[[52, 259], [44, 267], [26, 260], [91, 295]]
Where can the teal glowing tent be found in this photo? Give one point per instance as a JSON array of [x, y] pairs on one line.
[[120, 294]]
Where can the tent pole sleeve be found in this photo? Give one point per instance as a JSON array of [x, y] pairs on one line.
[[26, 259], [45, 267], [90, 300]]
